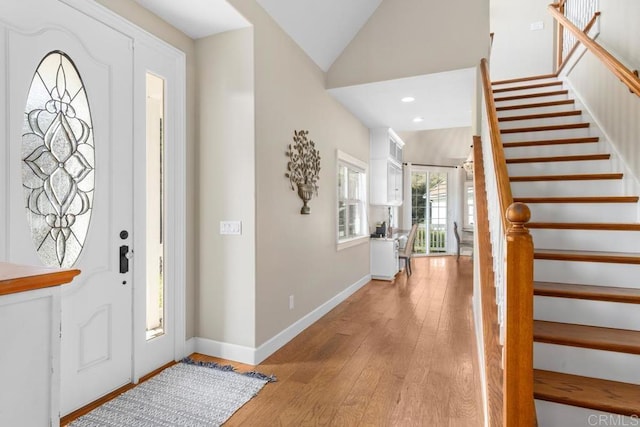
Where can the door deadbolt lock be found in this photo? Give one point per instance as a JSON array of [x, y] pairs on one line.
[[125, 256]]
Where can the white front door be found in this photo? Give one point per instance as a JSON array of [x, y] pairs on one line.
[[69, 185]]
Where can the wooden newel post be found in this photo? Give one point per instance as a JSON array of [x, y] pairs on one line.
[[518, 346]]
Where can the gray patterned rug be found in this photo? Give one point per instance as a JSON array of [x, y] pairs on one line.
[[192, 394]]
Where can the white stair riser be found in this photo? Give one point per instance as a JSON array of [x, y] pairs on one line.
[[583, 212], [559, 168], [511, 124], [584, 312], [535, 110], [515, 91], [601, 240], [523, 101], [607, 365], [588, 273], [606, 187], [551, 414], [543, 135], [551, 150]]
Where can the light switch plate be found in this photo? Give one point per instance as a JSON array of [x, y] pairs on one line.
[[231, 227], [536, 26]]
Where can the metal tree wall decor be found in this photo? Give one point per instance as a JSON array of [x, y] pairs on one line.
[[303, 168]]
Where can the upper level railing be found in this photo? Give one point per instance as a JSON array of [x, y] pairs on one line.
[[627, 76], [512, 250], [580, 12]]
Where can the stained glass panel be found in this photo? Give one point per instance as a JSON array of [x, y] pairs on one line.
[[58, 161]]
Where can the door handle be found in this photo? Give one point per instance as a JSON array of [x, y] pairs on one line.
[[124, 259]]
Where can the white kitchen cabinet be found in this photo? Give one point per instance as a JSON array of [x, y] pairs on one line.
[[384, 258], [386, 168]]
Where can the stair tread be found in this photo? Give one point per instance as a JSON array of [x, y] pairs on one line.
[[546, 159], [593, 393], [615, 226], [540, 116], [567, 177], [536, 105], [590, 139], [529, 86], [531, 95], [525, 79], [578, 199], [595, 337], [546, 128], [587, 256], [587, 292]]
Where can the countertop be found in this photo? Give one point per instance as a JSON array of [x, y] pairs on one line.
[[16, 278], [394, 236]]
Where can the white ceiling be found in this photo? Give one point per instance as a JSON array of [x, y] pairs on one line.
[[197, 18], [443, 100], [323, 29]]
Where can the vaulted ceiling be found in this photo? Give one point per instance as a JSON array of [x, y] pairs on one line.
[[324, 29]]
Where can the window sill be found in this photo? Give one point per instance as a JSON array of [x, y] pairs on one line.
[[354, 241]]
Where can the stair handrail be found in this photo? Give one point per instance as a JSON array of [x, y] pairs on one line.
[[628, 77], [512, 258], [562, 63], [500, 164]]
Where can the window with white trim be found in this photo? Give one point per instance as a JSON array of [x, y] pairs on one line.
[[469, 209], [352, 200]]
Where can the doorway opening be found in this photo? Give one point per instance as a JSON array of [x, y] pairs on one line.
[[429, 210]]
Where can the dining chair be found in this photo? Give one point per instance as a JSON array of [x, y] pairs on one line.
[[407, 252], [465, 241]]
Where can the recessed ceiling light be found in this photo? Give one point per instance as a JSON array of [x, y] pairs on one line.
[[408, 99], [418, 119]]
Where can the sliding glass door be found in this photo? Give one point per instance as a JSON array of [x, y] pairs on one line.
[[429, 210]]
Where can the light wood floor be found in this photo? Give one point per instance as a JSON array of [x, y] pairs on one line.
[[399, 353], [393, 354]]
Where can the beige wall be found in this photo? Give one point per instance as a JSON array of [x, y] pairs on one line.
[[161, 29], [517, 50], [438, 146], [226, 187], [414, 37], [619, 30], [296, 254], [609, 101]]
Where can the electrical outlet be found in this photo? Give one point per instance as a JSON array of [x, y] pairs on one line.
[[231, 227], [291, 302]]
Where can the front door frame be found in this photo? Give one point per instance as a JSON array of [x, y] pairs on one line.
[[176, 166]]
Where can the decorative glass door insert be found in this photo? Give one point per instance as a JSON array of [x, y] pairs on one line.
[[58, 161]]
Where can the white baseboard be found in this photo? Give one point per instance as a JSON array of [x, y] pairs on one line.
[[253, 356], [190, 346], [237, 353], [275, 343]]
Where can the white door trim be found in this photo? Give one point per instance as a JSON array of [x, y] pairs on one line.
[[176, 161]]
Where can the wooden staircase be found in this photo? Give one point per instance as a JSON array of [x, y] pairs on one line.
[[586, 259]]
